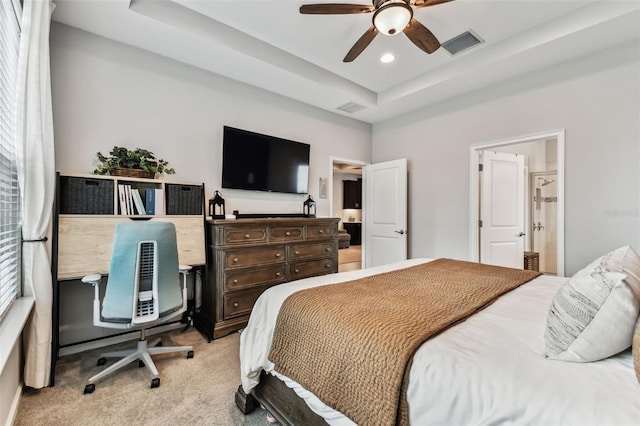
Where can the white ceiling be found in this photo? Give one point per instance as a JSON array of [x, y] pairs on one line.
[[269, 44]]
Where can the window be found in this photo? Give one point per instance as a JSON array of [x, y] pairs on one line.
[[10, 240]]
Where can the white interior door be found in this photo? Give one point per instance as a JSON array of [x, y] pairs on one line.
[[385, 212], [502, 210]]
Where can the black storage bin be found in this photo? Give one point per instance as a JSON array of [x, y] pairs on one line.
[[86, 196], [183, 199]]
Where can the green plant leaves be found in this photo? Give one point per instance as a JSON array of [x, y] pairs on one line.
[[133, 159]]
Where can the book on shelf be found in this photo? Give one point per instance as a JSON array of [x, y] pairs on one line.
[[159, 202], [137, 200], [123, 200], [129, 205], [150, 200]]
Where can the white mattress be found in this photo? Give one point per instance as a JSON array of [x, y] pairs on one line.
[[490, 369]]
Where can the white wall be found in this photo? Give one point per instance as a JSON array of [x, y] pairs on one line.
[[596, 99], [106, 93], [10, 385]]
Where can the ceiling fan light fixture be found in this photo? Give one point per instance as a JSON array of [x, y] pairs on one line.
[[387, 58], [392, 17]]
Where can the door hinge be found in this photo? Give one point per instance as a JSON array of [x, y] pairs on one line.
[[480, 167], [480, 223]]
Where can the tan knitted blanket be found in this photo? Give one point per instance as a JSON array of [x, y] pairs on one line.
[[351, 343]]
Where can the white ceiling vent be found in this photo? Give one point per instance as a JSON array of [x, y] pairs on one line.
[[462, 42], [351, 107]]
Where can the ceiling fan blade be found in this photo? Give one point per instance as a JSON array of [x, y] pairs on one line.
[[421, 36], [335, 8], [361, 44], [425, 3]]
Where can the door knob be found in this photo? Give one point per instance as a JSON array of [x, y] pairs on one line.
[[522, 234], [401, 232]]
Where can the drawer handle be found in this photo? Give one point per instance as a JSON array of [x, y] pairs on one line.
[[296, 252], [277, 274], [327, 265], [235, 259], [287, 233], [327, 249], [278, 255], [247, 236], [235, 281], [235, 305], [321, 231], [296, 270]]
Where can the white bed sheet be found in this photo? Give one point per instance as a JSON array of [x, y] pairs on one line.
[[490, 369]]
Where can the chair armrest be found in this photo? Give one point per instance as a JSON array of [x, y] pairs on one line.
[[93, 279]]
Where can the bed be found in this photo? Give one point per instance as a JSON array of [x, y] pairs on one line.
[[487, 369]]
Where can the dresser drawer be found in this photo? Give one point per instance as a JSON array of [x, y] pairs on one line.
[[291, 233], [240, 303], [254, 257], [245, 235], [309, 251], [241, 280], [326, 231], [310, 268]]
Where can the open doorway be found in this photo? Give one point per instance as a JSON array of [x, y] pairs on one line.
[[345, 202], [542, 204]]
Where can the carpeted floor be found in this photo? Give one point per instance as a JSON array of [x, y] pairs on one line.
[[198, 391]]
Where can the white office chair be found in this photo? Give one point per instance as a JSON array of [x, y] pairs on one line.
[[143, 289]]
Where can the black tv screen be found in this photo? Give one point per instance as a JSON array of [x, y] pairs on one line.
[[258, 162]]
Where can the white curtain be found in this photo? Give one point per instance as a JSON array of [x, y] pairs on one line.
[[36, 175]]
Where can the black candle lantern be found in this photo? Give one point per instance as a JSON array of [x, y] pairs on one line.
[[216, 206], [309, 207]]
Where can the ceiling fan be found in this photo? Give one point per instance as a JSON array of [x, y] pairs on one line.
[[390, 17]]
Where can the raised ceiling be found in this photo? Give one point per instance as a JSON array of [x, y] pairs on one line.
[[269, 44]]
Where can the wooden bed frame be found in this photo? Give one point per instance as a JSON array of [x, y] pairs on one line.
[[279, 400]]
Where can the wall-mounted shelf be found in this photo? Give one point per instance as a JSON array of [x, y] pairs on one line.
[[90, 206]]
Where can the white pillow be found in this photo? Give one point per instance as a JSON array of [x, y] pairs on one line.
[[625, 261], [591, 317]]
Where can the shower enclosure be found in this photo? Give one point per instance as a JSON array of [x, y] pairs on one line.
[[544, 204]]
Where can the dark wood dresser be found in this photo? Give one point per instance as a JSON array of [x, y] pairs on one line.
[[247, 256]]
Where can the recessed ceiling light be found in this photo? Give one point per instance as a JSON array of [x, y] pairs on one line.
[[387, 57]]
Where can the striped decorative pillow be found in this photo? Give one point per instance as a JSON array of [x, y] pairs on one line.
[[592, 317]]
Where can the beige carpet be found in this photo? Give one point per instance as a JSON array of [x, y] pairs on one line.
[[198, 391]]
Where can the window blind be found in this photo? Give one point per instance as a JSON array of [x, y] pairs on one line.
[[10, 234]]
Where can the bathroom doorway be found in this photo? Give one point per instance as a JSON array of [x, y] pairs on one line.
[[544, 209], [544, 165]]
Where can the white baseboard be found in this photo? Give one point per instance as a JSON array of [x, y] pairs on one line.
[[13, 411]]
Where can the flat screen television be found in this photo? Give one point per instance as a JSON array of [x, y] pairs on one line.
[[253, 161]]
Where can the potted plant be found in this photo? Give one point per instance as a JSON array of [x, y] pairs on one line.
[[133, 163]]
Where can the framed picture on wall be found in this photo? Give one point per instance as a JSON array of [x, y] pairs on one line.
[[323, 188]]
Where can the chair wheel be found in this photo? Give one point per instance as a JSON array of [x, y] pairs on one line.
[[102, 361], [140, 364], [155, 383], [189, 354], [89, 388]]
